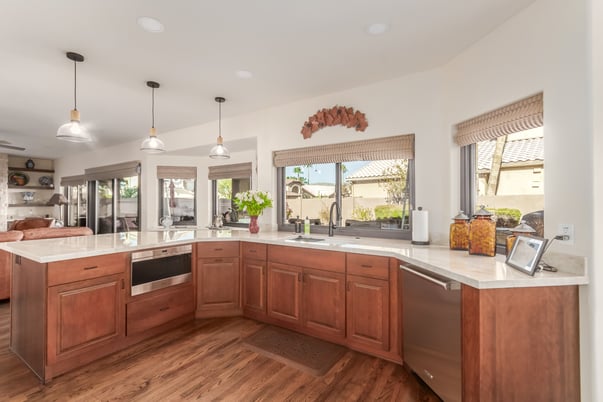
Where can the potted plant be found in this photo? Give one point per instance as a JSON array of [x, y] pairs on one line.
[[253, 202]]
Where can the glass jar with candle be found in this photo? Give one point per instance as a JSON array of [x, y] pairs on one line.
[[482, 233], [522, 229], [459, 232]]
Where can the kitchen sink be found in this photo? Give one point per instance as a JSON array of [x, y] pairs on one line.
[[304, 239]]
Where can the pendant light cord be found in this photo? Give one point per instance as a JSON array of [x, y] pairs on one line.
[[74, 85], [153, 108], [220, 119]]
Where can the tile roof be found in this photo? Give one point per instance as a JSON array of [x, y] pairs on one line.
[[372, 170], [529, 149]]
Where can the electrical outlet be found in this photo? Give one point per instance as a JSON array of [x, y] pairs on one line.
[[566, 229]]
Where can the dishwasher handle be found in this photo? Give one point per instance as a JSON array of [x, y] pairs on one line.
[[452, 285]]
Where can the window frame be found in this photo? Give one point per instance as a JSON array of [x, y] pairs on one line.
[[345, 230], [214, 200], [160, 208]]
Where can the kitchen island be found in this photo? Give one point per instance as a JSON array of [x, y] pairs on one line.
[[513, 325]]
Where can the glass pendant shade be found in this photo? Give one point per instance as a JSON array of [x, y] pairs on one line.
[[152, 144], [219, 151], [73, 131]]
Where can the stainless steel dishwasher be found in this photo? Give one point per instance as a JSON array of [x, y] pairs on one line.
[[431, 314]]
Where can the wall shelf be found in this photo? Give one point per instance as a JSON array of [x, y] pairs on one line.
[[18, 169], [31, 204], [27, 188]]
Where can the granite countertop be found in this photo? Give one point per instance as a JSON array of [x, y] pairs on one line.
[[476, 271]]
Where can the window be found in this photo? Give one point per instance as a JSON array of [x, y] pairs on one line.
[[502, 161], [76, 192], [226, 181], [114, 204], [371, 182], [177, 194]]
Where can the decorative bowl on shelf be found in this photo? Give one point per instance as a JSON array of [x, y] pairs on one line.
[[18, 179], [45, 181], [27, 196]]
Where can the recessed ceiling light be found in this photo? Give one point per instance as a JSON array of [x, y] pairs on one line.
[[244, 74], [150, 24], [377, 28]]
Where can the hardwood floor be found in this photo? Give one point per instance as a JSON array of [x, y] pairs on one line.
[[205, 360]]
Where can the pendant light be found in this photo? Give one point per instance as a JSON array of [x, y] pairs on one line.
[[219, 151], [74, 131], [152, 144]]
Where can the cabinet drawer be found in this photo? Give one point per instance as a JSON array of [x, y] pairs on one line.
[[307, 257], [86, 268], [153, 311], [218, 249], [368, 265], [256, 251]]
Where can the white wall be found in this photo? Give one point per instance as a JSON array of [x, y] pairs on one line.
[[544, 48], [595, 300]]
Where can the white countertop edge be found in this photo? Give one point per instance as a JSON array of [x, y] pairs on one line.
[[32, 249]]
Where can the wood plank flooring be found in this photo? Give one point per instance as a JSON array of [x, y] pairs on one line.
[[205, 360]]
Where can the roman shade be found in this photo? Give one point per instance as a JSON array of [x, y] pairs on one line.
[[522, 115], [234, 171], [398, 147], [73, 180], [176, 172], [126, 169]]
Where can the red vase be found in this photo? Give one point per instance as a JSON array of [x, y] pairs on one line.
[[253, 224]]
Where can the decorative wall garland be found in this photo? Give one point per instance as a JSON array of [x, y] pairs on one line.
[[337, 115]]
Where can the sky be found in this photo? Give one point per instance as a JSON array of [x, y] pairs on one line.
[[324, 173]]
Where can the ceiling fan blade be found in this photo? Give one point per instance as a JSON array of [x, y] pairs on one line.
[[12, 147]]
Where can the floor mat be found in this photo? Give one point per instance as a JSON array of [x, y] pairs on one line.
[[300, 351]]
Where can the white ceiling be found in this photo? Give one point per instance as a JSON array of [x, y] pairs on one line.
[[295, 50]]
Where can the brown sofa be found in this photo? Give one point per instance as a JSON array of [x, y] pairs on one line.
[[31, 230]]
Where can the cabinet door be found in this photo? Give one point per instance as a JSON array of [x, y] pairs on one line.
[[284, 292], [218, 286], [84, 316], [368, 312], [254, 286], [324, 302]]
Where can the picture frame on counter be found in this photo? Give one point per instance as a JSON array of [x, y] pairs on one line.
[[526, 253]]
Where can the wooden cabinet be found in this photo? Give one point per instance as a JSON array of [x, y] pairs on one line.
[[218, 280], [284, 293], [84, 316], [368, 312], [60, 321], [157, 308], [5, 268], [304, 298], [254, 280], [373, 322], [511, 335], [324, 302]]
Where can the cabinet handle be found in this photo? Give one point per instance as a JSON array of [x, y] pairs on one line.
[[366, 266], [348, 286], [92, 267], [164, 308], [18, 259], [218, 260], [218, 249], [252, 251], [299, 276], [123, 285]]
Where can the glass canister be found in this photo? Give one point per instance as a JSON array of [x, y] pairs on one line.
[[459, 232], [522, 229], [482, 233]]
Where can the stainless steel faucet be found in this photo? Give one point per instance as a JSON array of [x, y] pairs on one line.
[[332, 224]]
